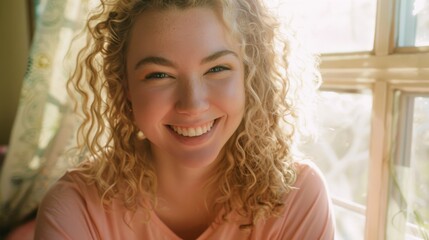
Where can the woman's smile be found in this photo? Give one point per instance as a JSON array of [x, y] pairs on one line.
[[193, 131], [194, 136]]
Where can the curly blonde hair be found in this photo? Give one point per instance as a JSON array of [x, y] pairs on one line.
[[256, 170]]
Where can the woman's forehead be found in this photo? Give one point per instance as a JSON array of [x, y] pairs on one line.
[[179, 31]]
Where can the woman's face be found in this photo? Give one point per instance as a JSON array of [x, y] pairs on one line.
[[186, 84]]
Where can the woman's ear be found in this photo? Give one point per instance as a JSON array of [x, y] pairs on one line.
[[127, 90], [128, 96], [129, 103]]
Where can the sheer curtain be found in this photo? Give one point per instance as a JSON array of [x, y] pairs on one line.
[[45, 126]]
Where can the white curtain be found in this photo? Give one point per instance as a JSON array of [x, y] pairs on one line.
[[45, 126]]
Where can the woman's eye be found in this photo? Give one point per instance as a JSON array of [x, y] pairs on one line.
[[217, 69], [157, 75]]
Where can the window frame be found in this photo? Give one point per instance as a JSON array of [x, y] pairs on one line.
[[384, 71]]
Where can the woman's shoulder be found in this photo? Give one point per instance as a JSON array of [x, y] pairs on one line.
[[71, 209], [72, 188], [306, 206], [310, 187], [74, 178], [308, 173]]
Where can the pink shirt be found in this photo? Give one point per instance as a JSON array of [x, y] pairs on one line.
[[71, 210]]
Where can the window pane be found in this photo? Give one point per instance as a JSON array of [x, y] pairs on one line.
[[349, 225], [413, 23], [409, 196], [341, 150], [420, 164], [332, 25]]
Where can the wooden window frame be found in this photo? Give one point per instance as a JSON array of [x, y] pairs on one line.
[[383, 71]]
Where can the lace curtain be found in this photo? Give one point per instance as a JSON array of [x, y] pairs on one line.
[[44, 126]]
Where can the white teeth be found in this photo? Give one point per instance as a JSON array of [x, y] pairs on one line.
[[193, 131], [199, 131]]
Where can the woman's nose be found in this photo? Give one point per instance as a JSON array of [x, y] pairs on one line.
[[192, 97]]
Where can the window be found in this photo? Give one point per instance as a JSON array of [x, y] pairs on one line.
[[409, 193], [413, 21], [342, 153], [333, 25], [373, 144]]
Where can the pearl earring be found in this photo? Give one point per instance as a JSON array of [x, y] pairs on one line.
[[140, 135]]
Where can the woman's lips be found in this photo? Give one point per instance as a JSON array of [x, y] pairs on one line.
[[193, 131]]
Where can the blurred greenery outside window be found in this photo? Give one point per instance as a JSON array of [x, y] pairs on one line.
[[409, 194]]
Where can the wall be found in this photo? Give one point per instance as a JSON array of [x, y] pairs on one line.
[[14, 47]]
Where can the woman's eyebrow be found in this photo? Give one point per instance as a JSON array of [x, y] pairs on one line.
[[217, 55], [165, 62], [154, 60]]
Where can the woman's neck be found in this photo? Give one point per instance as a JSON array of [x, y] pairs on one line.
[[183, 201], [176, 180]]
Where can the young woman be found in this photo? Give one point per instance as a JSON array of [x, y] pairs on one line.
[[188, 129]]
